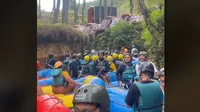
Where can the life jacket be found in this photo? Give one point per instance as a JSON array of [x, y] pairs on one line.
[[151, 99], [66, 64], [58, 79], [85, 68], [117, 63], [100, 65], [129, 73]]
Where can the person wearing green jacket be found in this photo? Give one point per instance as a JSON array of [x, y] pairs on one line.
[[145, 95]]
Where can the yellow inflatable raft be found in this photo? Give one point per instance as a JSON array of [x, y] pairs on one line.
[[66, 98]]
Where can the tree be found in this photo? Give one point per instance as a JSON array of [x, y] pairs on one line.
[[76, 11], [53, 9], [56, 13], [83, 15], [65, 11], [40, 15], [111, 6], [100, 15], [131, 7], [105, 9]]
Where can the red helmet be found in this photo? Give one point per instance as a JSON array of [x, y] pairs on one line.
[[38, 64]]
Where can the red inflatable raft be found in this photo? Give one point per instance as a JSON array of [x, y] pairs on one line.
[[46, 103]]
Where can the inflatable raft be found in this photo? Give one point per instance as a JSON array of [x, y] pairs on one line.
[[47, 103], [117, 94], [48, 80]]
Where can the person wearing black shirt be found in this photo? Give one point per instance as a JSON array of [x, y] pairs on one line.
[[145, 95]]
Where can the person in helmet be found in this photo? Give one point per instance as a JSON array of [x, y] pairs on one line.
[[111, 64], [50, 61], [135, 58], [145, 95], [143, 57], [119, 60], [115, 51], [38, 68], [133, 50], [126, 72], [114, 56], [102, 67], [66, 61], [162, 78], [91, 98], [74, 66], [86, 68], [62, 82], [38, 65]]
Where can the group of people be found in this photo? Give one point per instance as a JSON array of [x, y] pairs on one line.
[[134, 71]]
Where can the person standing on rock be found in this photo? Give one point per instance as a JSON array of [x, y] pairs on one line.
[[50, 61]]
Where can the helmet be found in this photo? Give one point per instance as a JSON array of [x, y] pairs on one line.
[[38, 65], [115, 51], [94, 57], [86, 52], [114, 55], [93, 51], [58, 64], [147, 67], [120, 56], [126, 50], [135, 53], [51, 54], [91, 93], [68, 55], [143, 53], [79, 55], [109, 58], [133, 46], [87, 58], [162, 72], [101, 52]]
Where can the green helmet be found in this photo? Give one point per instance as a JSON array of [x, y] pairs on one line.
[[91, 93], [144, 54]]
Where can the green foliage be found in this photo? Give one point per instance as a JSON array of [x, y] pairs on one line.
[[146, 35], [122, 34], [155, 44]]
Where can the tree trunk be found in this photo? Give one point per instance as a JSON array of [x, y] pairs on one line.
[[76, 11], [154, 32], [83, 16], [65, 11], [56, 13], [100, 12], [131, 7], [105, 9], [111, 6], [53, 9], [40, 15]]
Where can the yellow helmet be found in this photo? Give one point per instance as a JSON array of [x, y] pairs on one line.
[[87, 58], [114, 55], [109, 58], [120, 56], [125, 50], [94, 57], [58, 64]]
